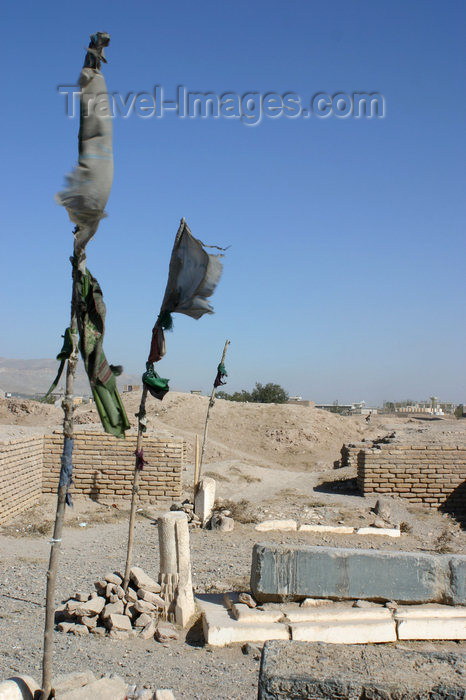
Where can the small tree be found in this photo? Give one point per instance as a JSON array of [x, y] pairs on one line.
[[270, 393], [459, 411]]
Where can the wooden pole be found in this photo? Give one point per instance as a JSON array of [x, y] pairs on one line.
[[211, 403], [134, 496], [196, 464], [68, 435]]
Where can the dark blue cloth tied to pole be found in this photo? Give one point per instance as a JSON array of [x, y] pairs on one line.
[[66, 470]]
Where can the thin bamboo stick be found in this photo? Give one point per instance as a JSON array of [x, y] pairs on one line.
[[211, 403], [68, 434], [196, 464], [134, 496]]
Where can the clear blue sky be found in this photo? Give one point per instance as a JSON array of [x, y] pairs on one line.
[[345, 277]]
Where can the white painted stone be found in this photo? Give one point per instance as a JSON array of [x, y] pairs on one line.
[[431, 628], [220, 628], [363, 632], [18, 688], [244, 613], [340, 612], [338, 529], [205, 499], [430, 610], [385, 531], [431, 622], [281, 525]]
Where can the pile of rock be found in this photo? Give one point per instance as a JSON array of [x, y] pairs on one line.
[[188, 508], [110, 611], [383, 515]]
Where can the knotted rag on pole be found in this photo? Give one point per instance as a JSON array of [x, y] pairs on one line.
[[91, 325], [88, 186], [192, 278]]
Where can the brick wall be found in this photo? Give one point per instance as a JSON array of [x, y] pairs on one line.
[[349, 454], [103, 467], [430, 474], [20, 475]]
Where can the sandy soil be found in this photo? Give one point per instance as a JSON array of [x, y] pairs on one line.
[[269, 461]]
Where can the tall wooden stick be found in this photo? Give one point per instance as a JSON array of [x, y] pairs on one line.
[[68, 435], [211, 403], [134, 496], [196, 464]]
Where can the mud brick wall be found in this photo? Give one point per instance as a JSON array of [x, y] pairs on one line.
[[20, 475], [103, 467], [349, 454], [430, 474]]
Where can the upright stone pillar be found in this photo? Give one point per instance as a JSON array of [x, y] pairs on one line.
[[205, 499], [175, 567]]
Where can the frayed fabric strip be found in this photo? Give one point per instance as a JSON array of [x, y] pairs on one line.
[[66, 464]]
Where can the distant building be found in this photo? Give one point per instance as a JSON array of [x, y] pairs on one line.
[[196, 392], [358, 408], [335, 407], [299, 401], [131, 387]]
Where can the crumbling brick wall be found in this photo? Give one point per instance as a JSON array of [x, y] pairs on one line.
[[349, 454], [103, 467], [430, 474], [20, 474]]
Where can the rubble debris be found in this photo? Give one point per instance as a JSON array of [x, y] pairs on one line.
[[247, 599], [382, 509], [165, 632], [138, 612], [220, 521], [188, 508]]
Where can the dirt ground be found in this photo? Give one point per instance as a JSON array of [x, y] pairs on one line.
[[269, 461]]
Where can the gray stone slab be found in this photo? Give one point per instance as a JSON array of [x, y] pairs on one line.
[[292, 670], [299, 571], [458, 579]]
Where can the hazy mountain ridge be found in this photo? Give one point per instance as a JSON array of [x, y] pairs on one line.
[[36, 375]]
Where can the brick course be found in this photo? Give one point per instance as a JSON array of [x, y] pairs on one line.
[[103, 468], [430, 474], [20, 475]]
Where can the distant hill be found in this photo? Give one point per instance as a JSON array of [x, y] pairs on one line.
[[35, 376]]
